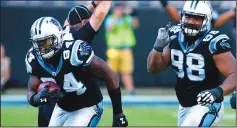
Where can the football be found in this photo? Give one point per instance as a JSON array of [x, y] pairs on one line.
[[51, 88]]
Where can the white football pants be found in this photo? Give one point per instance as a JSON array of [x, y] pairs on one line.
[[89, 116], [200, 115]]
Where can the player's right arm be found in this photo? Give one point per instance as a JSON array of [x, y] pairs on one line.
[[99, 14], [34, 98], [159, 58], [158, 61], [33, 85]]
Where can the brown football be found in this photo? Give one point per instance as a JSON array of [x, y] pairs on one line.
[[51, 88]]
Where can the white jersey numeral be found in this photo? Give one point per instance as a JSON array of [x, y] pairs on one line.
[[72, 85], [31, 57], [178, 62], [177, 58]]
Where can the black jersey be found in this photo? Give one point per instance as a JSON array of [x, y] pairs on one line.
[[194, 65], [79, 87]]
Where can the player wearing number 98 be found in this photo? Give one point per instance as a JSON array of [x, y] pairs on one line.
[[196, 54], [72, 64]]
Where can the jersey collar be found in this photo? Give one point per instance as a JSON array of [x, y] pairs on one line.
[[186, 49], [49, 68]]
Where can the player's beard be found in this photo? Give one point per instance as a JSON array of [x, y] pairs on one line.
[[191, 39], [55, 59]]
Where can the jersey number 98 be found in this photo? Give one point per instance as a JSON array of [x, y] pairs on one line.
[[177, 58]]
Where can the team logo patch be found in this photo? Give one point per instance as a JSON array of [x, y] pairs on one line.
[[225, 45]]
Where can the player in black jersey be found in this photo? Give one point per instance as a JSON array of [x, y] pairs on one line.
[[197, 54], [71, 64], [80, 15]]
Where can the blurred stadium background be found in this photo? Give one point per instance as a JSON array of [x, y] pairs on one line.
[[155, 97]]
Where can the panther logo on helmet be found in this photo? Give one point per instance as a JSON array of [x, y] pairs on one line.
[[46, 37]]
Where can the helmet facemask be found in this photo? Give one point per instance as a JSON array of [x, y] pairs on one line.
[[193, 24], [46, 47], [46, 37]]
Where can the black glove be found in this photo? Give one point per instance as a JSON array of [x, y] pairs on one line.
[[44, 96], [120, 120], [164, 3], [208, 97]]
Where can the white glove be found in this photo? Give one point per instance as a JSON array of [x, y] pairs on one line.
[[207, 97]]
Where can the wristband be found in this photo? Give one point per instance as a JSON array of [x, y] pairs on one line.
[[164, 3], [218, 92], [158, 49], [32, 100], [93, 3]]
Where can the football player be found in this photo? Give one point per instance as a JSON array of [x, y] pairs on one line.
[[71, 64], [196, 54], [80, 15]]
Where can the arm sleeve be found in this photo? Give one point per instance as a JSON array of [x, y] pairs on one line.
[[86, 33], [219, 44]]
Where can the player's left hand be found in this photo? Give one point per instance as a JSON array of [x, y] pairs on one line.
[[208, 97], [120, 120]]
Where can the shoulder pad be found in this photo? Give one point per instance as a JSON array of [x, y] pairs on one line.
[[30, 57], [82, 53], [218, 42], [174, 30]]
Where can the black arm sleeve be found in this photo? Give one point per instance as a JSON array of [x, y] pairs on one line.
[[86, 33], [115, 97]]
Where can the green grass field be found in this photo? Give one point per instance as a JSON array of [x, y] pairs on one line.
[[137, 116]]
